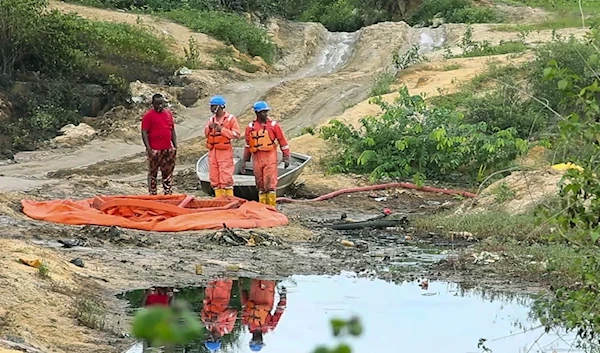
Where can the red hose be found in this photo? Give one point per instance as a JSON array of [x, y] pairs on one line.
[[381, 187]]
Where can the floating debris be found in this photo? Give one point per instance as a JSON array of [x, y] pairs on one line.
[[486, 257]]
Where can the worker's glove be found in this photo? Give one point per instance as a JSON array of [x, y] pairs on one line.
[[286, 162], [218, 128]]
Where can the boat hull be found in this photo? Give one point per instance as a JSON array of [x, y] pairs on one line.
[[244, 184]]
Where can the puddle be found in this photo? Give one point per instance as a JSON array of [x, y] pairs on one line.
[[396, 318]]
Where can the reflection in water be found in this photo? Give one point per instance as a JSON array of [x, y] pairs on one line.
[[258, 303], [218, 317], [225, 306], [247, 315]]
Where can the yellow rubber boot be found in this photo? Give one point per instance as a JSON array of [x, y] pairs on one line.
[[272, 199], [262, 198], [219, 192], [228, 192]]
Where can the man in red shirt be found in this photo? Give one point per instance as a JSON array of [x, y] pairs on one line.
[[158, 134]]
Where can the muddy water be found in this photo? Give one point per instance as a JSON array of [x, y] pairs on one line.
[[396, 318]]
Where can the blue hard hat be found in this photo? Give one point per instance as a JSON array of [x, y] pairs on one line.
[[212, 346], [256, 347], [261, 106], [217, 100]]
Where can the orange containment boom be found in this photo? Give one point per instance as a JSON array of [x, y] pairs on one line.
[[159, 213]]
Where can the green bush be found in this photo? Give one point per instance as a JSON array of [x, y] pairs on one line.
[[505, 108], [336, 15], [411, 139], [571, 55], [56, 50], [228, 27], [382, 84], [453, 11]]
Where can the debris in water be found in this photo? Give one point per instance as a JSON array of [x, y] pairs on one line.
[[78, 262], [198, 269], [486, 257]]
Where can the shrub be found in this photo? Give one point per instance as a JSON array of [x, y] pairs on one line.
[[505, 108], [570, 54], [230, 28], [382, 84], [65, 45], [338, 15], [410, 139], [58, 51], [452, 11]]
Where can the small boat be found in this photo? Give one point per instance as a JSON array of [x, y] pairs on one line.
[[244, 184]]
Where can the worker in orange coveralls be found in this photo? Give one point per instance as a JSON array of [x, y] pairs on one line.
[[216, 314], [261, 137], [256, 314], [220, 130]]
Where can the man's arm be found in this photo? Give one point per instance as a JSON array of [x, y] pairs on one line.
[[173, 132], [247, 146], [207, 127], [274, 320], [146, 125], [234, 132], [174, 137], [283, 143]]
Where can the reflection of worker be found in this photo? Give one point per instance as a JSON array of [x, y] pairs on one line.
[[216, 314], [257, 307], [158, 134], [220, 129], [158, 296], [261, 135]]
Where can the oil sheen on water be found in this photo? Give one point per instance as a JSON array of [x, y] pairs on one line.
[[396, 318]]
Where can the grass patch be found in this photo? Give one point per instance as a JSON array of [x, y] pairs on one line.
[[451, 67], [564, 14], [483, 225], [44, 270], [552, 264], [453, 11], [90, 313], [228, 27], [486, 49], [382, 84]]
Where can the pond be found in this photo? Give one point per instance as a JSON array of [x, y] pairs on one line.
[[440, 317]]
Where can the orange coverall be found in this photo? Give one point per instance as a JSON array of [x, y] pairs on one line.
[[260, 143], [216, 314], [257, 306], [220, 152]]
